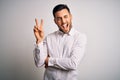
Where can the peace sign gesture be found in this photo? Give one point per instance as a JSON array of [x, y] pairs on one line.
[[38, 31]]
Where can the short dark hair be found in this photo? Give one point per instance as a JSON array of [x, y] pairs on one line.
[[60, 7]]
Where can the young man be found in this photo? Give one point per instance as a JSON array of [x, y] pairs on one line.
[[62, 50]]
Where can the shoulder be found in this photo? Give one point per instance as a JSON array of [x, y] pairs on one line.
[[79, 34], [51, 35], [81, 37]]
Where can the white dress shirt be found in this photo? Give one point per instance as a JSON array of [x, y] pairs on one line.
[[65, 51]]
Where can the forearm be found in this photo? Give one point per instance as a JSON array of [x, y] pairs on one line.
[[68, 63], [62, 63], [39, 54]]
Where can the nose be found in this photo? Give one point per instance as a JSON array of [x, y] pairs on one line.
[[63, 20]]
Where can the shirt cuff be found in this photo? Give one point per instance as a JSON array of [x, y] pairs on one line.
[[38, 45], [51, 61]]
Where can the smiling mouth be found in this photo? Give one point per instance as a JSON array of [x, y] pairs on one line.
[[65, 26]]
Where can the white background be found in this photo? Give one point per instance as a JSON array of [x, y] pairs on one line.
[[98, 19]]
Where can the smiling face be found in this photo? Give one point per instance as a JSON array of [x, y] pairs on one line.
[[63, 19]]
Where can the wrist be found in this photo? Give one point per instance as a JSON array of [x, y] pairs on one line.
[[38, 41], [46, 62]]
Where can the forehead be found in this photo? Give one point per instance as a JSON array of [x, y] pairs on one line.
[[61, 13]]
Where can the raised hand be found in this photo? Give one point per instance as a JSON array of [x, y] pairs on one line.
[[38, 31]]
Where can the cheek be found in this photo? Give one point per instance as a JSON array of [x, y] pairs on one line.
[[69, 19], [58, 23]]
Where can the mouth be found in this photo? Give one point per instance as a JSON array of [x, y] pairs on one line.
[[65, 26]]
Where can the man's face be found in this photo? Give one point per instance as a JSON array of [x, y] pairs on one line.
[[63, 19]]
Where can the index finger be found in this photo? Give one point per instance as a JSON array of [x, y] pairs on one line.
[[36, 21], [41, 23]]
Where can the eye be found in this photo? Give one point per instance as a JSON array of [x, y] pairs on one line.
[[58, 19], [65, 16]]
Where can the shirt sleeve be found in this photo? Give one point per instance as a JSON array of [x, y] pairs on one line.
[[76, 55], [40, 53]]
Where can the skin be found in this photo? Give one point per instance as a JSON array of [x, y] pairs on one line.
[[38, 31], [63, 20]]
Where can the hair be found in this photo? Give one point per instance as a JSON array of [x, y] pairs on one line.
[[60, 7]]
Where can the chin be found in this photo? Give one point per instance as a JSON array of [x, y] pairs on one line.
[[66, 31]]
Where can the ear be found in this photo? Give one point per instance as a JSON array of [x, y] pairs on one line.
[[55, 21], [71, 16]]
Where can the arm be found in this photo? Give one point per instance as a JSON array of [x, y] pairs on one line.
[[40, 51], [72, 61], [40, 54]]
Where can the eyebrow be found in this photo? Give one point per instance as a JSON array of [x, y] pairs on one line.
[[63, 16]]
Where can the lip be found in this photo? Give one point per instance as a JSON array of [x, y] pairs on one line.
[[65, 25]]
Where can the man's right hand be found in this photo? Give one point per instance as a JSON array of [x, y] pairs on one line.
[[38, 31]]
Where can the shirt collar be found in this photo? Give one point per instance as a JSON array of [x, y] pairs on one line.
[[71, 33]]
